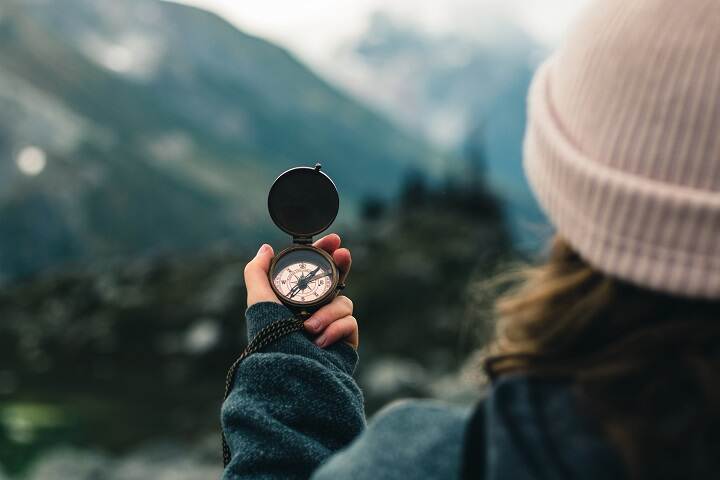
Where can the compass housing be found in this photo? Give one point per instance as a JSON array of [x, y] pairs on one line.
[[304, 202], [305, 253]]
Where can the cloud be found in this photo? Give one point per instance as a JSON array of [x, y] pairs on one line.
[[314, 28]]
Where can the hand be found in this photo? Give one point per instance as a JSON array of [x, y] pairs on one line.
[[334, 322], [256, 272]]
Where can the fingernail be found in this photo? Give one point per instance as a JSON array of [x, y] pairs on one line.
[[320, 341], [313, 324], [263, 248]]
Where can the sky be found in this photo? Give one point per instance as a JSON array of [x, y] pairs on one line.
[[314, 29]]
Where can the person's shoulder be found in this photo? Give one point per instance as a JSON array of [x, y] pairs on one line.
[[406, 439], [412, 414]]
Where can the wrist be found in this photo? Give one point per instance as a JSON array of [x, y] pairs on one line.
[[262, 314]]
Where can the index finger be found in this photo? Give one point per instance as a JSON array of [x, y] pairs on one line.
[[329, 243], [343, 260], [341, 256]]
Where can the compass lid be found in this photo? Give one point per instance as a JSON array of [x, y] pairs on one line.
[[303, 201]]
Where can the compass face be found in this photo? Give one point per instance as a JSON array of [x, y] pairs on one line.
[[303, 276]]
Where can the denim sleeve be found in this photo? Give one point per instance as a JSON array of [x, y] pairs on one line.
[[406, 440], [291, 406]]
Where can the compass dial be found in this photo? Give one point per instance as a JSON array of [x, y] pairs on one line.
[[303, 282], [303, 276]]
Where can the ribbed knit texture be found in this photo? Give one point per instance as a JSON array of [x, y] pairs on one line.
[[292, 405], [623, 142]]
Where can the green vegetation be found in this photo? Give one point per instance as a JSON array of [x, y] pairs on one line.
[[134, 349]]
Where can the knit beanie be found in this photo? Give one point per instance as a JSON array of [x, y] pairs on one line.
[[622, 148]]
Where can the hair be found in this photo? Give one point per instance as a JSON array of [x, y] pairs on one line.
[[644, 363]]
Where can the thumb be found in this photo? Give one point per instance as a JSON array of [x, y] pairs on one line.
[[256, 277]]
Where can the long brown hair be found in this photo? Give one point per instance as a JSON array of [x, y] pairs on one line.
[[646, 364]]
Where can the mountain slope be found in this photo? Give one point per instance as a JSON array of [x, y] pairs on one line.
[[465, 90], [162, 127]]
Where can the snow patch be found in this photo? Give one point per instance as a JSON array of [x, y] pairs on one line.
[[132, 54], [31, 161]]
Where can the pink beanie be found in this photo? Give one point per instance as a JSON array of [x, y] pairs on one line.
[[623, 142]]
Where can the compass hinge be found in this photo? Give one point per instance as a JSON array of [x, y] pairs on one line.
[[302, 240]]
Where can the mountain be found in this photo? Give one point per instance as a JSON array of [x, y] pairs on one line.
[[462, 90], [135, 126]]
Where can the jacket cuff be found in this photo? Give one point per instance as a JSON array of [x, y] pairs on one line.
[[262, 314]]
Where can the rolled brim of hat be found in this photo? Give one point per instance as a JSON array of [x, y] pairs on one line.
[[658, 235]]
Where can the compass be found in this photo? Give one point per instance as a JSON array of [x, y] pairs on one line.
[[304, 202]]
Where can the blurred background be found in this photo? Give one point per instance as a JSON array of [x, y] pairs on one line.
[[138, 140]]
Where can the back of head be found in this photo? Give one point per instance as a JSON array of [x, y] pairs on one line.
[[623, 153], [646, 364], [623, 143]]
